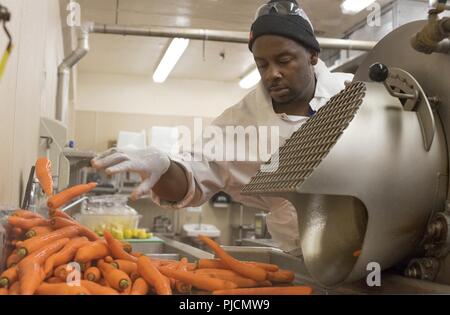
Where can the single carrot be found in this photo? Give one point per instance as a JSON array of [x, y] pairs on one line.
[[265, 266], [17, 233], [44, 175], [59, 222], [116, 248], [281, 276], [229, 275], [13, 259], [38, 231], [97, 289], [180, 286], [265, 283], [295, 290], [8, 277], [170, 266], [61, 289], [103, 283], [127, 247], [211, 271], [134, 276], [60, 214], [240, 281], [85, 266], [140, 287], [210, 264], [67, 195], [125, 265], [3, 291], [200, 282], [65, 255], [33, 244], [171, 283], [61, 272], [248, 271], [30, 269], [54, 280], [14, 289], [153, 276], [26, 214], [127, 291], [108, 259], [27, 224], [156, 263], [118, 279], [165, 262], [92, 274], [191, 266], [357, 253], [92, 251], [218, 264]]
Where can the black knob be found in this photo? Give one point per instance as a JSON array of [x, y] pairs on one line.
[[378, 72]]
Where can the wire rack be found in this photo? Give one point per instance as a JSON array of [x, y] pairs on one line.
[[309, 145]]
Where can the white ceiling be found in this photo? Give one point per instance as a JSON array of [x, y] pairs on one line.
[[140, 56]]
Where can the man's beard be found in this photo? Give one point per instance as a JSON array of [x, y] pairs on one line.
[[288, 102], [300, 96]]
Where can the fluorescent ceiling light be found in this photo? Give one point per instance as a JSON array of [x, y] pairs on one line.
[[170, 59], [355, 6], [250, 80]]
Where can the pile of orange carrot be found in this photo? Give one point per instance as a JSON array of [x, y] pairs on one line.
[[46, 248], [59, 256]]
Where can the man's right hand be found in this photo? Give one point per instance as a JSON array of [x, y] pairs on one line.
[[151, 164]]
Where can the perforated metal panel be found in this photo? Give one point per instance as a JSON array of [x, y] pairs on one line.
[[309, 145]]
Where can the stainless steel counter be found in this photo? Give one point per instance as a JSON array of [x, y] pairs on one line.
[[260, 242], [170, 249], [390, 283]]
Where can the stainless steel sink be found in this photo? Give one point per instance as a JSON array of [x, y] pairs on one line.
[[167, 248]]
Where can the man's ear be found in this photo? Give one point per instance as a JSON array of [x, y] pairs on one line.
[[313, 57]]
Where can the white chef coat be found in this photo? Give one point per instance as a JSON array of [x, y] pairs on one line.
[[209, 176]]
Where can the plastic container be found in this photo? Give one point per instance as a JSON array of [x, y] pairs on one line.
[[109, 212]]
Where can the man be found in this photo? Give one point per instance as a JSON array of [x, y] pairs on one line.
[[295, 83]]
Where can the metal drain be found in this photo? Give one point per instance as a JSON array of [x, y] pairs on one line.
[[309, 145]]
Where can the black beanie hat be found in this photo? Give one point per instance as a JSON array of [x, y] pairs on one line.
[[293, 27]]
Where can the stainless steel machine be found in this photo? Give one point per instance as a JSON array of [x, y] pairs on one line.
[[368, 174]]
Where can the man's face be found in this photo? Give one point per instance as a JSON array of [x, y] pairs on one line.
[[286, 68]]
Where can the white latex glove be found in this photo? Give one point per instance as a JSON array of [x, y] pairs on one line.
[[150, 164]]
